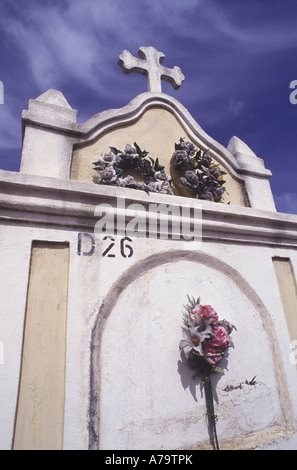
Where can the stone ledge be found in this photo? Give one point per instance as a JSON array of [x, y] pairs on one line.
[[50, 201]]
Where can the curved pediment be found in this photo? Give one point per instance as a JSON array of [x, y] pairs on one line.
[[56, 145], [156, 122]]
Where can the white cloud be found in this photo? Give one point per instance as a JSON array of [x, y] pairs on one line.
[[255, 26], [80, 42], [54, 47], [287, 203], [10, 124], [235, 107]]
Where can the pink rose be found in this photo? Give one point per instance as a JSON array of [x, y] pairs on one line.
[[221, 338], [214, 355], [204, 312], [215, 347], [209, 312], [195, 314]]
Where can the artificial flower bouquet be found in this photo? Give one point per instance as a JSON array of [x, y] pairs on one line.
[[204, 335]]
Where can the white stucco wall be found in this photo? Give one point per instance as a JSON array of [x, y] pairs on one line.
[[126, 385], [140, 370]]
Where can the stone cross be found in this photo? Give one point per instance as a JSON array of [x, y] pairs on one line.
[[149, 65]]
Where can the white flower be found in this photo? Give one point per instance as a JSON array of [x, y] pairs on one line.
[[126, 181], [161, 176], [158, 186], [193, 339], [107, 176], [189, 147], [108, 159], [130, 150]]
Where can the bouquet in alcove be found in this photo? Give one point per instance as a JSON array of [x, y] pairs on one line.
[[205, 341]]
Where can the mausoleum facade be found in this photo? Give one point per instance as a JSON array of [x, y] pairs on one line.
[[95, 275]]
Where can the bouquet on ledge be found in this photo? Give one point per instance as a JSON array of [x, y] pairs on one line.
[[205, 341]]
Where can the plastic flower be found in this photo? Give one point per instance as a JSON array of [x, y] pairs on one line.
[[179, 159], [161, 176], [189, 147], [108, 175], [198, 173], [190, 180], [130, 151], [112, 168], [193, 340], [107, 159], [215, 348], [126, 181], [197, 328], [203, 334], [160, 186], [203, 311]]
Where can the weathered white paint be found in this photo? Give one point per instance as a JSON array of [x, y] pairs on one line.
[[258, 189], [138, 409], [243, 239], [47, 149]]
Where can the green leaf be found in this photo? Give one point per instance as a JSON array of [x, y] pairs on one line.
[[114, 150], [158, 167], [118, 171], [141, 153], [198, 155]]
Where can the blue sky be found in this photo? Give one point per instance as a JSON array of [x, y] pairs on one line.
[[238, 56]]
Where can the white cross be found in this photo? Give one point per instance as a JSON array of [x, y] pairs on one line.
[[149, 65]]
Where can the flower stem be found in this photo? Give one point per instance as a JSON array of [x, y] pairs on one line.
[[212, 418]]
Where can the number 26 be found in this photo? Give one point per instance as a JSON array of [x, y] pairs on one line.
[[126, 250]]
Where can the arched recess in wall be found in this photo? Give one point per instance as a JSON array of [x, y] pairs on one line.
[[219, 271]]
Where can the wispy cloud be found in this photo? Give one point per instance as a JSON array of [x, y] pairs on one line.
[[55, 47], [10, 125], [256, 25], [287, 203]]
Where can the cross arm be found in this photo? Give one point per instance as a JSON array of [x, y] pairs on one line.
[[173, 76], [129, 63], [149, 64]]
